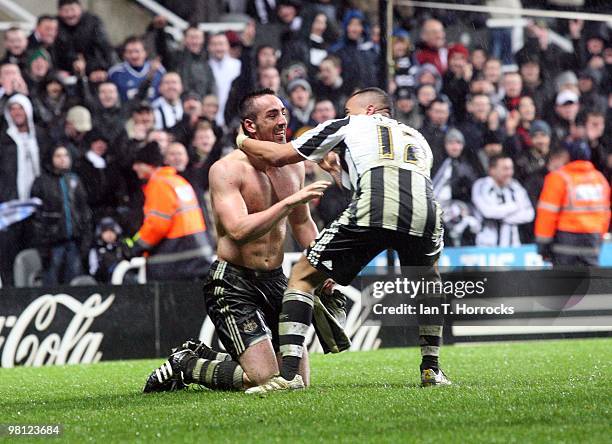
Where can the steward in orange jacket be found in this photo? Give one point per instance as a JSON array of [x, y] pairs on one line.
[[173, 231], [573, 211]]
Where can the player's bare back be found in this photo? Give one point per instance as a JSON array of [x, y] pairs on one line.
[[260, 189]]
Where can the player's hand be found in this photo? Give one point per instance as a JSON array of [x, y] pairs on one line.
[[331, 164], [240, 137], [313, 191]]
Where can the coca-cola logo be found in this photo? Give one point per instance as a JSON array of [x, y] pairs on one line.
[[76, 344]]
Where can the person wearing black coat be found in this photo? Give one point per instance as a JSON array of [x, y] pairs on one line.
[[81, 33], [62, 226]]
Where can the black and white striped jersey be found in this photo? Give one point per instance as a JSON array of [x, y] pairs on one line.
[[388, 165]]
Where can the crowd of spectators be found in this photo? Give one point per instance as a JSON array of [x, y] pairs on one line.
[[76, 110]]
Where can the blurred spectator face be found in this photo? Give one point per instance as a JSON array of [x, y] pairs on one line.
[[375, 34], [427, 78], [70, 14], [324, 110], [135, 54], [404, 105], [492, 71], [329, 72], [210, 107], [568, 111], [18, 115], [47, 31], [218, 46], [99, 147], [480, 107], [457, 64], [39, 67], [194, 40], [541, 142], [478, 57], [176, 156], [319, 25], [531, 73], [585, 84], [299, 97], [481, 86], [513, 84], [10, 76], [286, 13], [171, 87], [433, 34], [270, 78], [162, 138], [266, 57], [144, 118], [61, 159], [400, 47], [526, 109], [108, 95], [271, 119], [595, 46], [203, 140], [15, 41], [492, 149], [425, 95], [192, 106], [438, 113], [54, 90], [354, 29], [453, 148], [108, 236], [595, 125], [502, 171]]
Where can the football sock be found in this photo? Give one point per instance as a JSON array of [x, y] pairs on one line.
[[430, 339], [213, 355], [216, 375], [294, 322]]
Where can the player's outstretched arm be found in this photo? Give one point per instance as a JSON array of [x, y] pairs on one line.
[[272, 153], [242, 227]]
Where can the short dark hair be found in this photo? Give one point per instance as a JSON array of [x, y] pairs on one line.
[[132, 39], [498, 157], [13, 29], [383, 99], [45, 17], [246, 107]]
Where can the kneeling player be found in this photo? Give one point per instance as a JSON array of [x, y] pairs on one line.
[[244, 290]]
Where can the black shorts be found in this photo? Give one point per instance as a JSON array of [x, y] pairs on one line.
[[341, 251], [244, 305]]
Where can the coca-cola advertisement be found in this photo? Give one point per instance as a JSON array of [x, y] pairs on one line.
[[70, 325]]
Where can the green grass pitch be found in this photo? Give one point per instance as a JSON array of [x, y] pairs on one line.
[[538, 391]]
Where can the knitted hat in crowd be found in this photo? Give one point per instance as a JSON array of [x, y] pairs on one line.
[[565, 78], [80, 117], [149, 154], [454, 134], [38, 53], [539, 126], [299, 83], [458, 48]]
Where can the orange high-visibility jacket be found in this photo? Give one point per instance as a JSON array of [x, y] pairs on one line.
[[575, 199], [173, 230]]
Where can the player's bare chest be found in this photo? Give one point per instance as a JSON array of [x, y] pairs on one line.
[[261, 190]]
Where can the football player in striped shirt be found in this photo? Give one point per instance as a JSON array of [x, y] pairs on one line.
[[387, 165]]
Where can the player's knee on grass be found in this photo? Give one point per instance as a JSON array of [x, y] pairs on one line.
[[259, 362]]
